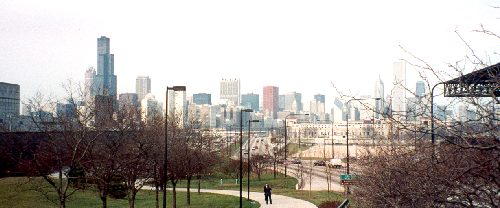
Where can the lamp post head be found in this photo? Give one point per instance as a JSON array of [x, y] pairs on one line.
[[177, 88], [254, 121], [247, 110]]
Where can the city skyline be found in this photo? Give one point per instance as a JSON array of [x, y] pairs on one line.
[[261, 43]]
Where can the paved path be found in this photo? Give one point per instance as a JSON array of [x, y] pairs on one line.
[[278, 200]]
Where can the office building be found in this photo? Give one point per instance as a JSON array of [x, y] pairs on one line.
[[281, 100], [250, 101], [9, 101], [379, 103], [420, 89], [105, 79], [128, 100], [177, 105], [270, 101], [89, 85], [150, 108], [293, 102], [398, 96], [202, 99], [142, 86], [317, 107], [230, 91]]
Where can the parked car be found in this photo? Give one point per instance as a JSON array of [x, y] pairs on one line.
[[296, 161], [319, 163]]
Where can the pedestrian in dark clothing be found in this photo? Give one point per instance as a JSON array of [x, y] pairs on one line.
[[267, 193]]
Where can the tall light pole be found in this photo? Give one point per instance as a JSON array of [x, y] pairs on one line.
[[165, 163], [432, 113], [248, 161], [241, 153], [286, 147]]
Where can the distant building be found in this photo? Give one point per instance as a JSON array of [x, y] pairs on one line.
[[281, 100], [128, 100], [104, 110], [230, 90], [66, 110], [177, 105], [250, 101], [270, 101], [293, 102], [89, 85], [317, 107], [105, 79], [150, 108], [398, 95], [420, 89], [142, 86], [202, 99], [9, 101], [379, 93]]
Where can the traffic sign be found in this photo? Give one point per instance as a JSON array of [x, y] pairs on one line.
[[348, 177]]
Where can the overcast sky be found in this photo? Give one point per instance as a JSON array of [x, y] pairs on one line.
[[300, 46]]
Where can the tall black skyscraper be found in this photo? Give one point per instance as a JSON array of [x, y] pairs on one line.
[[105, 79]]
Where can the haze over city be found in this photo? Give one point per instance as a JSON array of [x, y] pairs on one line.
[[297, 46]]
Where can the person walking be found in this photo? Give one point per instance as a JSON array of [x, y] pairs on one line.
[[267, 193]]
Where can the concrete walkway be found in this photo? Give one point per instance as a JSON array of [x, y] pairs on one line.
[[278, 200]]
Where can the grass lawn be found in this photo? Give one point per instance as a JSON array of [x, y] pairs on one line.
[[16, 192], [281, 185]]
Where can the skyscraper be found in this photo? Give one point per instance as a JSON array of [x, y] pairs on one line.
[[202, 99], [89, 86], [420, 89], [230, 91], [250, 101], [317, 106], [177, 105], [379, 93], [398, 95], [105, 79], [293, 102], [9, 100], [142, 86], [270, 101]]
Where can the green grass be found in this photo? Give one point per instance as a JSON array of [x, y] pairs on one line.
[[281, 185], [16, 192]]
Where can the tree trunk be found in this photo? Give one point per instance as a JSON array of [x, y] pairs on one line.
[[199, 184], [157, 203], [104, 199], [188, 191], [131, 199], [174, 195]]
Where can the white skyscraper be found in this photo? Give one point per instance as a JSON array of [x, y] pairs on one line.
[[142, 86], [177, 105], [379, 93], [398, 94], [230, 91], [89, 86]]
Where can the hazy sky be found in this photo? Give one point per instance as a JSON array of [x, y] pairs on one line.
[[300, 46]]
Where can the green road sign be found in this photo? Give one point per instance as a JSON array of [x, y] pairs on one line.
[[347, 177]]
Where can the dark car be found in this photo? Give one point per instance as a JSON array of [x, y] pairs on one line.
[[319, 163], [296, 161]]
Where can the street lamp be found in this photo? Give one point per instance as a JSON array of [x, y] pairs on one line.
[[165, 163], [241, 153], [432, 113], [286, 149], [248, 161]]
